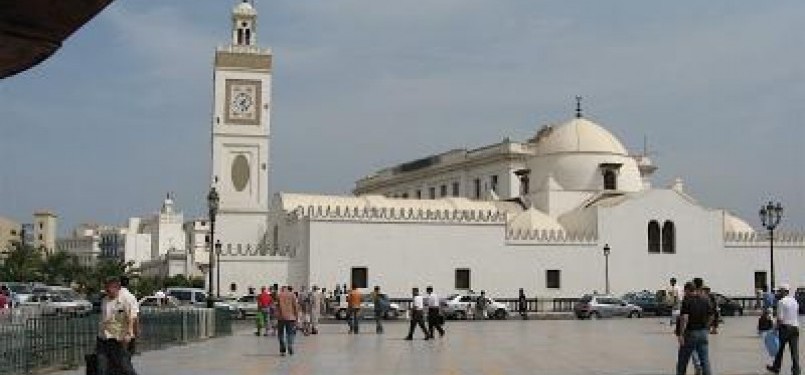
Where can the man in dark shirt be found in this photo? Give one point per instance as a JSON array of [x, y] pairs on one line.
[[695, 319]]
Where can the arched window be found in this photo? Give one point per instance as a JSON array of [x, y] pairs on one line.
[[610, 180], [240, 36], [248, 37], [668, 237], [653, 236], [276, 240]]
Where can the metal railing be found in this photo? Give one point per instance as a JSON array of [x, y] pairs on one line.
[[51, 342]]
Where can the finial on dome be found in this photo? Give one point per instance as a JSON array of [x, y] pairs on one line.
[[578, 106]]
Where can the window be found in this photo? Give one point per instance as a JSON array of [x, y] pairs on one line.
[[40, 237], [41, 225], [233, 287], [462, 278], [524, 185], [443, 190], [405, 195], [455, 189], [553, 279], [653, 236], [207, 238], [418, 194], [432, 193], [477, 184], [668, 237], [359, 277], [610, 180], [493, 181], [760, 280]]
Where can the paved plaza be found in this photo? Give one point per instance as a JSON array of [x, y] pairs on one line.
[[561, 347]]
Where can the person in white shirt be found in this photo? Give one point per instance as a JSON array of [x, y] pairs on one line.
[[160, 295], [788, 328], [135, 309], [417, 315], [116, 330], [435, 319], [675, 294]]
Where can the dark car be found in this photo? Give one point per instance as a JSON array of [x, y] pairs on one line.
[[651, 303], [727, 306]]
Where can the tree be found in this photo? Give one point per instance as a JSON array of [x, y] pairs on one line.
[[23, 263], [61, 268]]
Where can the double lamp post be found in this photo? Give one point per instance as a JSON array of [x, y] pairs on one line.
[[770, 216]]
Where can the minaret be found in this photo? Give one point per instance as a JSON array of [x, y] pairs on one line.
[[241, 129]]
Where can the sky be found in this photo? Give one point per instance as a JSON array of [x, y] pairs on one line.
[[121, 115]]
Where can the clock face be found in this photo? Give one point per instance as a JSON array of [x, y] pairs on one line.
[[243, 102]]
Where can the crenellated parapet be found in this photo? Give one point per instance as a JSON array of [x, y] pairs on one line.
[[761, 239], [549, 237], [399, 214]]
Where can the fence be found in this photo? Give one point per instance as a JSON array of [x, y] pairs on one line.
[[563, 305], [47, 342]]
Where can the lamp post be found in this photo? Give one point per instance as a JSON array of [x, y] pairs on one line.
[[770, 216], [218, 269], [606, 267], [212, 203]]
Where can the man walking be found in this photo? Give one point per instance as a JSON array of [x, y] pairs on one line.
[[264, 303], [695, 317], [287, 314], [522, 305], [417, 315], [480, 307], [434, 314], [788, 328], [675, 294], [116, 330], [135, 308], [316, 300], [353, 309], [381, 305]]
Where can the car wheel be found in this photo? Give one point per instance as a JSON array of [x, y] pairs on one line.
[[634, 314], [500, 314], [461, 315], [341, 314], [594, 315]]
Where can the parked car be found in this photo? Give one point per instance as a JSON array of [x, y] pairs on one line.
[[367, 311], [245, 306], [727, 306], [460, 306], [594, 306], [56, 304], [20, 292], [649, 302], [153, 301], [189, 296]]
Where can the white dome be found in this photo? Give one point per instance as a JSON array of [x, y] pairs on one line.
[[533, 219], [577, 135], [244, 9], [733, 224]]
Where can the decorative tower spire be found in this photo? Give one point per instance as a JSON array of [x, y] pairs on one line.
[[578, 106], [244, 24]]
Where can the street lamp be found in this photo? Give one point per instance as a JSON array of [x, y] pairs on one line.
[[218, 269], [212, 203], [606, 267], [770, 216]]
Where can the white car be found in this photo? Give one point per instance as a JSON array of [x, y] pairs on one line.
[[462, 306], [367, 308], [56, 304], [153, 301]]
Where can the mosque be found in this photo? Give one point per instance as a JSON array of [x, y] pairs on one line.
[[566, 212]]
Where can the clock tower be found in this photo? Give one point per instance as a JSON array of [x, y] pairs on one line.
[[241, 130]]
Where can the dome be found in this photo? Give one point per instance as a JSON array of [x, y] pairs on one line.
[[244, 9], [533, 219], [576, 136], [733, 224]]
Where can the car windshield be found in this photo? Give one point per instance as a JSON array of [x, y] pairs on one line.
[[181, 295], [20, 288], [451, 297], [247, 299], [68, 295], [586, 298]]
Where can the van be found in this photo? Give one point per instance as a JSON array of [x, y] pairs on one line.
[[189, 296]]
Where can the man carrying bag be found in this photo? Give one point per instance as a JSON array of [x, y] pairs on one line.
[[116, 330]]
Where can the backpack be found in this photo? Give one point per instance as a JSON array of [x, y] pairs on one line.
[[382, 303]]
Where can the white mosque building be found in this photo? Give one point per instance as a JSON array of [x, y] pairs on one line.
[[535, 214]]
